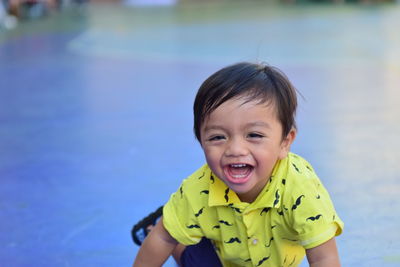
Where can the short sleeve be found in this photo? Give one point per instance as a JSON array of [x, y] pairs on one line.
[[179, 219], [313, 216]]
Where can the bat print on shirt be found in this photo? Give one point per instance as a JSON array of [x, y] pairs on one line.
[[193, 226], [212, 179], [181, 191], [270, 242], [295, 167], [234, 208], [202, 175], [277, 196], [297, 203], [225, 222], [226, 195], [314, 218], [294, 259], [263, 260], [265, 210], [233, 240], [199, 212], [205, 192]]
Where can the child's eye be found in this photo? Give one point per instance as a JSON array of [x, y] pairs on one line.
[[255, 135], [216, 138]]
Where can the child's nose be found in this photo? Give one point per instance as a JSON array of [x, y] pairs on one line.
[[236, 148]]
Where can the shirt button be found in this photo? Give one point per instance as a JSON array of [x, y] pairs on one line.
[[255, 241]]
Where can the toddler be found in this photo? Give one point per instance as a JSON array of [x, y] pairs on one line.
[[254, 203]]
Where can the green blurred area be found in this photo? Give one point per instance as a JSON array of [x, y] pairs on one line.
[[109, 14]]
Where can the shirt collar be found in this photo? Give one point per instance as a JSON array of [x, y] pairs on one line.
[[220, 194]]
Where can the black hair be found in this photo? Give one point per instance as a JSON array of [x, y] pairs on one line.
[[252, 81]]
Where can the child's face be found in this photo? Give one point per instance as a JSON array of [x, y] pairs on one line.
[[242, 142]]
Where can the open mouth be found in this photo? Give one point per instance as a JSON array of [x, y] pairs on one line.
[[238, 172]]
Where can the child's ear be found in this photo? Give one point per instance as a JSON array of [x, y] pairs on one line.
[[286, 143]]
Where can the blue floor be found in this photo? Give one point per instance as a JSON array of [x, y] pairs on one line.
[[96, 122]]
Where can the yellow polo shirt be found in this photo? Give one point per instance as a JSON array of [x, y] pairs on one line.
[[292, 213]]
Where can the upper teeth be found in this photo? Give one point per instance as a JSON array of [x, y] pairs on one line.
[[238, 165]]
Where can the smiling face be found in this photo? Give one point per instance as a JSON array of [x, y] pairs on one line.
[[242, 141]]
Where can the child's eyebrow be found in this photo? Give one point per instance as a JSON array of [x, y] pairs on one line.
[[213, 127], [258, 123], [247, 125]]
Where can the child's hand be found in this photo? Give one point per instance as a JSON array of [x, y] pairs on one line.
[[156, 248], [324, 255]]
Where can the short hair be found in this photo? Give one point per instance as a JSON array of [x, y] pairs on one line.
[[253, 82]]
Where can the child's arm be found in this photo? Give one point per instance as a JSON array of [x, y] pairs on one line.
[[156, 248], [324, 255]]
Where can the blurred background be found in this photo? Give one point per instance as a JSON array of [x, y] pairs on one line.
[[96, 115]]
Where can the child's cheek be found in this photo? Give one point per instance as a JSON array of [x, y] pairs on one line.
[[213, 160]]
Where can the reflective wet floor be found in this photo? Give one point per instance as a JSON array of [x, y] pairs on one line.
[[96, 119]]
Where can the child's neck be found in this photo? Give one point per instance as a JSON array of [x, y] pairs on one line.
[[252, 195]]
